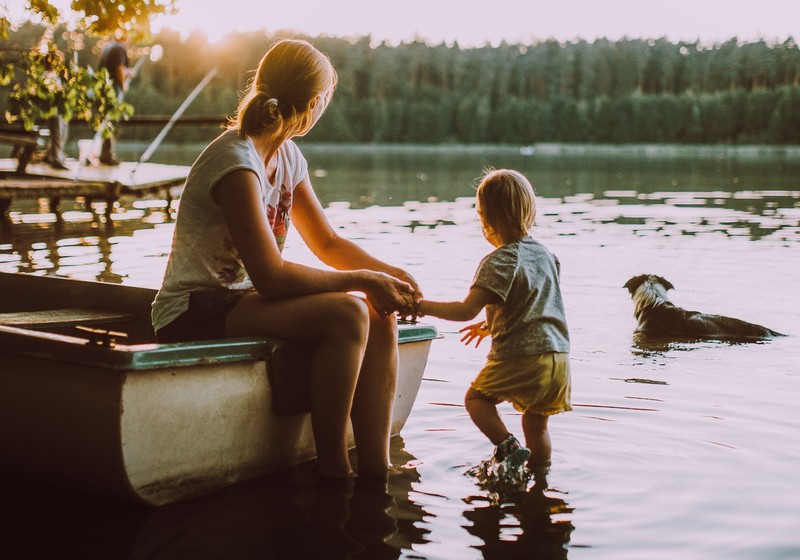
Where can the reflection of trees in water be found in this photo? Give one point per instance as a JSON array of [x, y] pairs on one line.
[[757, 214], [523, 526], [392, 175], [757, 197]]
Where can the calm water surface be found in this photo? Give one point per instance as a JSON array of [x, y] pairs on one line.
[[674, 450]]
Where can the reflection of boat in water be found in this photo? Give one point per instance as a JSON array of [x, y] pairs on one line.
[[288, 516], [147, 422], [282, 515]]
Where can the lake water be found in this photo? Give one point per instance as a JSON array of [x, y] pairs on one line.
[[674, 449]]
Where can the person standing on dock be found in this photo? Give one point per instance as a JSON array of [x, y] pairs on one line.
[[59, 130], [226, 275], [57, 124], [114, 58]]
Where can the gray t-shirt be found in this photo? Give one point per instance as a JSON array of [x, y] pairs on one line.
[[530, 318], [203, 256]]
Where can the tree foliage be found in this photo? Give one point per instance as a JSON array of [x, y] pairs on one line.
[[606, 91], [49, 86], [104, 18], [45, 84], [631, 90]]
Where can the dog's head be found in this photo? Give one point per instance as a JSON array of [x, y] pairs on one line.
[[648, 291], [636, 282]]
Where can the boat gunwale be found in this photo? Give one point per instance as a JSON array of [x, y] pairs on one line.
[[148, 356]]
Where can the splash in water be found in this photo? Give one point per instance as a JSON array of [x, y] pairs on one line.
[[500, 481]]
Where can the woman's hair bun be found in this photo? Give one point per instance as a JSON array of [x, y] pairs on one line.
[[271, 107]]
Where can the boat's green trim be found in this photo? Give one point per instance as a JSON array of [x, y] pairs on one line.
[[415, 332], [71, 349], [196, 353]]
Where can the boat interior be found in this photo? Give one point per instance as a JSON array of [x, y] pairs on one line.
[[103, 314]]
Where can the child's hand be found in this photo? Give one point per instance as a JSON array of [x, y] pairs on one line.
[[477, 331]]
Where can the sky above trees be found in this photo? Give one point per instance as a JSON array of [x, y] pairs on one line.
[[477, 22]]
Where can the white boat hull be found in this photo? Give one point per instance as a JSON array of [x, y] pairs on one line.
[[145, 423], [214, 428]]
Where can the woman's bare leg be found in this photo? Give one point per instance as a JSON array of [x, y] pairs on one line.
[[372, 407], [339, 324]]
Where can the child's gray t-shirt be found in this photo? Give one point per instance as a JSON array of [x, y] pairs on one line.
[[530, 318]]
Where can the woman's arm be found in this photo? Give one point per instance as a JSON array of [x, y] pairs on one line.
[[239, 195], [331, 248], [476, 300]]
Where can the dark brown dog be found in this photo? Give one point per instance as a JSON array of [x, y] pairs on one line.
[[657, 315]]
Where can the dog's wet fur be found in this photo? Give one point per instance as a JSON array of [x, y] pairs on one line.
[[657, 315]]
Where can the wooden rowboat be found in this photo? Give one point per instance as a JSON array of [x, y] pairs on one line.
[[90, 402]]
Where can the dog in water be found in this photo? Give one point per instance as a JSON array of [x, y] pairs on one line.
[[657, 315]]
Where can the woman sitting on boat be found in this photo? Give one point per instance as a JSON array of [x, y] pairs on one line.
[[226, 276]]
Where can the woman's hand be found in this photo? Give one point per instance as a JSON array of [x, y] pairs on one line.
[[477, 331], [410, 312], [406, 277], [387, 294]]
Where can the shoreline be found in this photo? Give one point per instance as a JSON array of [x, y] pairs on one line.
[[568, 149]]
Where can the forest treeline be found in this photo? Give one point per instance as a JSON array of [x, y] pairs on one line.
[[630, 90]]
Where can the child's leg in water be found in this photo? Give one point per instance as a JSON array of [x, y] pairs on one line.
[[509, 456], [483, 411], [537, 438]]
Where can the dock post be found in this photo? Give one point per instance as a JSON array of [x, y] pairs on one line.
[[53, 204], [112, 195], [87, 201], [5, 204], [168, 196], [110, 209]]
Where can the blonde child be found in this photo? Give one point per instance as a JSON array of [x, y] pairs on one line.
[[518, 284]]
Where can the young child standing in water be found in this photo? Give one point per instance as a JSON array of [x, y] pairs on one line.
[[518, 284]]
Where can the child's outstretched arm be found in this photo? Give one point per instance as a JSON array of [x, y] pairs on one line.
[[476, 300]]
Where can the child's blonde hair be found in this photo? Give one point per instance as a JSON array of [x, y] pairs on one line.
[[279, 97], [507, 203]]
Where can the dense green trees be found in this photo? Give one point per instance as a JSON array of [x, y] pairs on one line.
[[623, 91], [629, 90]]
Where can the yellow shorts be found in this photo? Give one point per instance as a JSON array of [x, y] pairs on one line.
[[539, 384]]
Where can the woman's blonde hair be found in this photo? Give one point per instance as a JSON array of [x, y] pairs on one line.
[[279, 97], [507, 203]]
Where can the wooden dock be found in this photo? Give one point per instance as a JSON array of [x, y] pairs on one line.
[[102, 182]]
